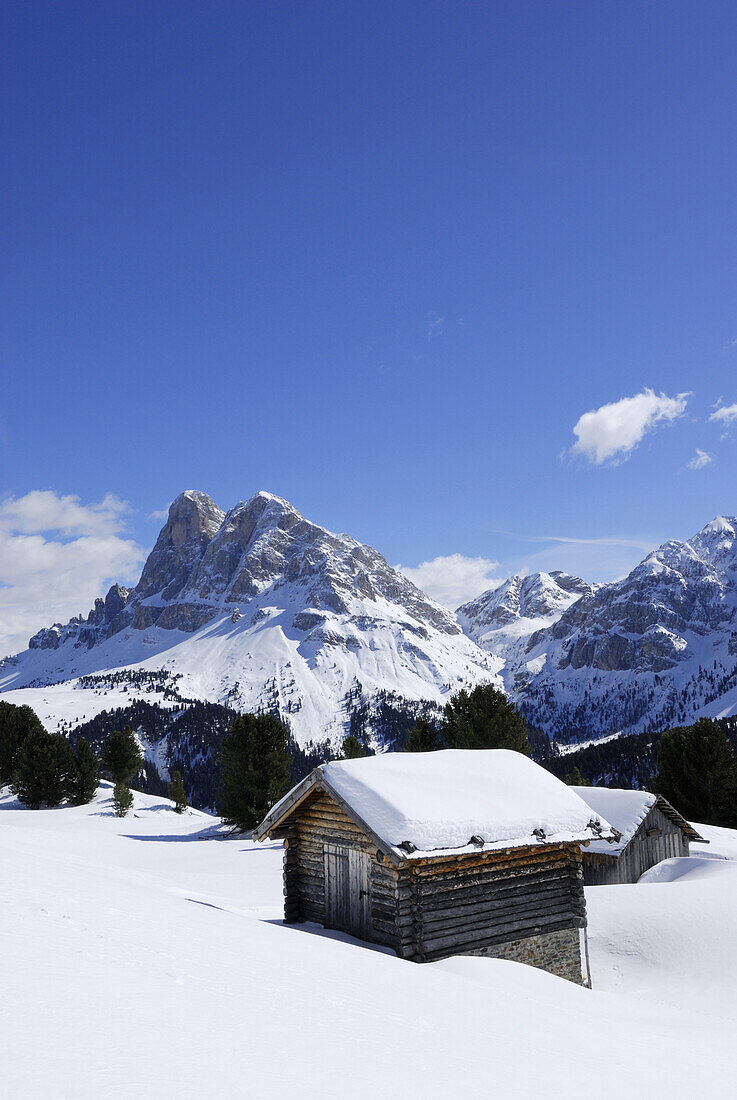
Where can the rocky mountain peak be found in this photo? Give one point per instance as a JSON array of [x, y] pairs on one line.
[[715, 543], [192, 515], [193, 520], [265, 610], [531, 596], [207, 562]]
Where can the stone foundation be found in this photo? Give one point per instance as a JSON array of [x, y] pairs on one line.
[[563, 953]]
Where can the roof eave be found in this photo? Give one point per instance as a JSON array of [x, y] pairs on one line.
[[316, 781], [678, 819]]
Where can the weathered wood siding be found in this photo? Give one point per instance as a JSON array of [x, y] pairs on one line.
[[657, 838], [463, 904], [427, 908], [323, 837]]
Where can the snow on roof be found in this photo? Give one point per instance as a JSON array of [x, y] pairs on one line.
[[457, 799], [625, 810]]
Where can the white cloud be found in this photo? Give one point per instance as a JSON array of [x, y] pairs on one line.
[[56, 556], [725, 414], [613, 431], [454, 579], [699, 460], [160, 515], [42, 510]]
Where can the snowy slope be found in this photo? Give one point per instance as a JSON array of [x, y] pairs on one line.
[[144, 957], [260, 609]]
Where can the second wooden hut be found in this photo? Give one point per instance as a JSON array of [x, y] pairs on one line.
[[649, 830]]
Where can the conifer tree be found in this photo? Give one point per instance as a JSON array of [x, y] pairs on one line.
[[484, 718], [255, 767], [15, 725], [697, 773], [121, 755], [86, 778], [45, 771], [177, 793], [575, 779], [122, 799], [421, 737], [352, 748]]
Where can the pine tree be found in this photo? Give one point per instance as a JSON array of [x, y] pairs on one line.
[[421, 737], [45, 771], [86, 775], [575, 779], [177, 793], [15, 725], [697, 773], [121, 755], [484, 719], [255, 767], [352, 748], [122, 799]]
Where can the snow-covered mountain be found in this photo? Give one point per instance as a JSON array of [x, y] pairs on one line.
[[257, 608], [503, 619], [646, 652], [261, 609]]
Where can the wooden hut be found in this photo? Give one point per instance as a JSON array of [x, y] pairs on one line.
[[443, 853], [649, 828]]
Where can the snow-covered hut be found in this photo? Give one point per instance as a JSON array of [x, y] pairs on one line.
[[649, 828], [458, 852]]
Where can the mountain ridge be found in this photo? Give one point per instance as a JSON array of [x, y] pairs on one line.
[[260, 608]]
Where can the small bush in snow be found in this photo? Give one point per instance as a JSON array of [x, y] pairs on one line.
[[177, 793], [122, 799]]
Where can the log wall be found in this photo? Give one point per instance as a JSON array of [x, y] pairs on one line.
[[473, 904]]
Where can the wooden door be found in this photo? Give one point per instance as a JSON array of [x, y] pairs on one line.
[[347, 890]]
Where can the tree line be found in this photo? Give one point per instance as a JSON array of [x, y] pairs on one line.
[[43, 769], [696, 766], [255, 758]]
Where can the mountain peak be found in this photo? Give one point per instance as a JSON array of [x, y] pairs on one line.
[[191, 514]]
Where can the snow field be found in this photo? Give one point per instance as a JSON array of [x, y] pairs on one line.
[[140, 960]]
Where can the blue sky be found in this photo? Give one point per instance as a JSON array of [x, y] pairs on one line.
[[377, 258]]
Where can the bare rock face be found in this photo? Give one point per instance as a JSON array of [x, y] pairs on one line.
[[193, 521], [206, 562], [48, 638], [115, 601]]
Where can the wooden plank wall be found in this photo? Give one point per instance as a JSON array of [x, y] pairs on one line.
[[430, 909], [318, 823], [641, 853]]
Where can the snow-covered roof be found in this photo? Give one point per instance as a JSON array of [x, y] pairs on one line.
[[413, 804], [626, 811]]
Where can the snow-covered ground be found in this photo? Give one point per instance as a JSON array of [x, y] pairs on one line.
[[146, 956]]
